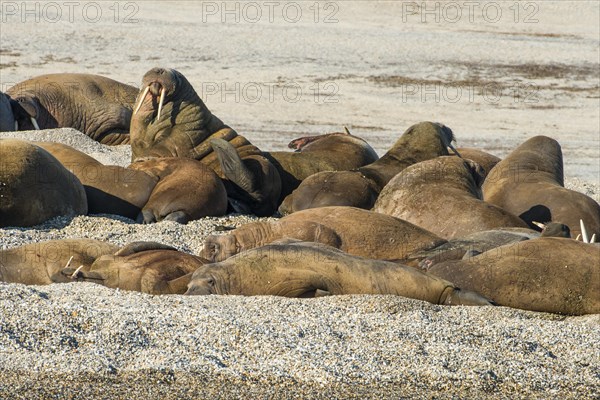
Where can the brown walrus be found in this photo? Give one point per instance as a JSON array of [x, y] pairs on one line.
[[353, 230], [529, 183], [170, 120], [172, 189], [443, 196], [328, 152], [42, 263], [554, 275], [486, 160], [308, 269], [145, 267], [34, 186], [95, 105], [360, 187], [7, 119]]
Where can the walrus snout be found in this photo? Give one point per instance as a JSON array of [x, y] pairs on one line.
[[201, 286]]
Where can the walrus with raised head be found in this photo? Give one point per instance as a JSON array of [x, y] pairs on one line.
[[95, 105], [170, 120], [304, 269], [34, 186], [529, 183], [555, 275], [353, 230], [145, 267], [7, 119], [172, 189], [360, 187], [328, 152], [443, 195], [42, 263]]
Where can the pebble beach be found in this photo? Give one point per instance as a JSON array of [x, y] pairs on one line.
[[372, 68]]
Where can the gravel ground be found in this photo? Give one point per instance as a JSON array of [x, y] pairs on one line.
[[82, 340]]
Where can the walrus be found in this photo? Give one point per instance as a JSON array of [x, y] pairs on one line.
[[170, 120], [529, 183], [172, 189], [34, 186], [443, 195], [145, 267], [308, 269], [7, 119], [329, 152], [353, 230], [485, 159], [360, 187], [95, 105], [42, 263], [555, 275]]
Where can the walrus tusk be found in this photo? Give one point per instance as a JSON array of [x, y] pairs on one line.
[[593, 238], [160, 103], [454, 150], [139, 105], [584, 234], [68, 262], [35, 124], [539, 224], [347, 130], [578, 237], [16, 125], [76, 272]]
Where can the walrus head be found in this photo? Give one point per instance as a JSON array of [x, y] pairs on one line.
[[169, 118], [220, 247], [207, 280]]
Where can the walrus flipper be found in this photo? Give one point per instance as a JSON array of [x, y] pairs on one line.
[[233, 167]]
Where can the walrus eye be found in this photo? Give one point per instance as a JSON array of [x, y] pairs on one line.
[[211, 281]]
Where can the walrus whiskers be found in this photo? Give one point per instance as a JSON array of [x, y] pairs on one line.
[[584, 234], [141, 100], [35, 124], [160, 103], [74, 275]]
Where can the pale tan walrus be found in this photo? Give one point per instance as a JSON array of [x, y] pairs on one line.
[[443, 196], [353, 230], [529, 183], [556, 275], [35, 187], [42, 263], [308, 269]]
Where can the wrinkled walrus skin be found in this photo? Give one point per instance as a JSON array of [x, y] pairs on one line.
[[443, 196], [95, 105], [360, 187], [529, 183], [328, 152], [34, 186], [555, 275], [306, 269], [186, 128], [42, 263], [145, 267], [7, 119], [353, 230]]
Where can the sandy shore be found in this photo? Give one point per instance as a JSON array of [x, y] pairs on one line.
[[377, 68]]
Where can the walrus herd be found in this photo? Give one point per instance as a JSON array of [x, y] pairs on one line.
[[426, 220]]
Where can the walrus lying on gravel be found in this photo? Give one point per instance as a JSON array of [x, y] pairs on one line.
[[34, 186], [7, 119], [353, 230], [95, 105], [145, 267], [328, 152], [172, 189], [529, 183], [554, 275], [42, 263], [443, 196], [304, 269], [360, 187], [170, 120]]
